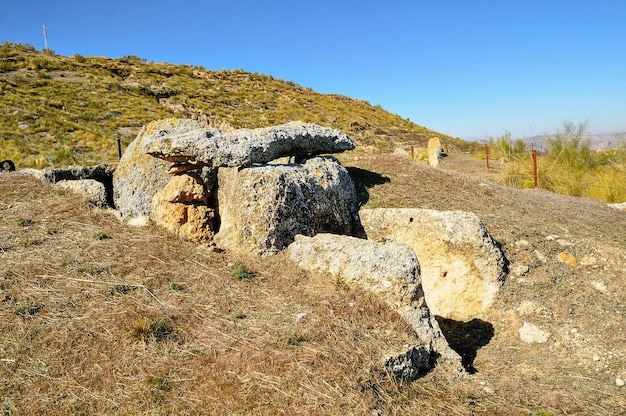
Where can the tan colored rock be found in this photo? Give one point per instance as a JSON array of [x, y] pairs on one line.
[[567, 258], [435, 152], [462, 267], [180, 207], [139, 176]]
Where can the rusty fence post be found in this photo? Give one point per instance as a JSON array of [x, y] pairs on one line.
[[534, 152], [412, 153], [487, 155]]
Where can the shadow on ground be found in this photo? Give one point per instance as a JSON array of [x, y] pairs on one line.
[[466, 338], [363, 180]]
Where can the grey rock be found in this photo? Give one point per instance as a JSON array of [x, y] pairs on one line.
[[243, 147], [263, 207], [410, 365], [390, 270], [91, 189]]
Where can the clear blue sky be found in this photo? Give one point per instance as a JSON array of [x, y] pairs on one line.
[[461, 67]]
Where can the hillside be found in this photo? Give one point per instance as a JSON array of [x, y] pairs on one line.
[[102, 318], [59, 110]]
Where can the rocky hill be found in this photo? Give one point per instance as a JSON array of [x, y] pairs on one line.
[[59, 110]]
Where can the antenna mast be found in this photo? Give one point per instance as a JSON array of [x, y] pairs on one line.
[[45, 37]]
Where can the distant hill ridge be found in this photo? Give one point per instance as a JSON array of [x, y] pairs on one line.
[[62, 110]]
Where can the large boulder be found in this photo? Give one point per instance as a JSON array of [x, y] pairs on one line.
[[243, 147], [263, 207], [390, 270], [462, 266], [91, 189], [138, 175]]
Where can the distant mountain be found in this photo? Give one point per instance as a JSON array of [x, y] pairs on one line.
[[598, 141]]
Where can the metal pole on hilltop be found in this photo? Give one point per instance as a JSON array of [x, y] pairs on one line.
[[45, 37]]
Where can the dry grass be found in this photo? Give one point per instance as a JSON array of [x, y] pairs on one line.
[[143, 323]]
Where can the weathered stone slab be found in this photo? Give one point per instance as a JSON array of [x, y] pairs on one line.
[[462, 266], [390, 270], [262, 208], [243, 147]]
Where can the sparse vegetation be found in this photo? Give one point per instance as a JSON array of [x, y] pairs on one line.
[[70, 110], [100, 235], [567, 166], [240, 273]]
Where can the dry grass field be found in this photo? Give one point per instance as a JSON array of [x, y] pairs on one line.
[[97, 317]]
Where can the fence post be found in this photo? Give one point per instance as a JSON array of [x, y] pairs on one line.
[[380, 150], [412, 152], [487, 155], [534, 152], [119, 147]]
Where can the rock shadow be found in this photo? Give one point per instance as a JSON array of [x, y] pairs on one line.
[[466, 338], [363, 180]]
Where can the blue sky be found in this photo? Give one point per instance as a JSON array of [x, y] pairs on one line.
[[460, 67]]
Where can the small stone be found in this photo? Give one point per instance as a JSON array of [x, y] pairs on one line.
[[567, 258], [301, 317], [619, 382], [522, 243], [520, 270], [600, 286], [530, 334], [596, 357]]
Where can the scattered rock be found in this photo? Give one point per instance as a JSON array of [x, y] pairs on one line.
[[301, 317], [599, 286], [530, 334], [621, 206], [390, 270], [567, 258], [7, 166], [100, 173], [462, 267], [262, 208], [619, 382], [91, 189], [520, 270], [410, 365]]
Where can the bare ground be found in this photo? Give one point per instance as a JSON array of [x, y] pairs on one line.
[[101, 318]]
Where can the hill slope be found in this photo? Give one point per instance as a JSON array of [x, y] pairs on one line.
[[143, 323], [60, 110]]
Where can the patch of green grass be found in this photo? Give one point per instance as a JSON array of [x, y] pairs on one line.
[[100, 235], [25, 222], [240, 273], [175, 287], [26, 310], [239, 315]]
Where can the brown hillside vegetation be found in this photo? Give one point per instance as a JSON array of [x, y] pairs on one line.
[[64, 110], [98, 317]]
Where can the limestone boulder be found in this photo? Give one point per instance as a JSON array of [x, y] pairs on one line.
[[462, 266], [181, 208], [139, 176], [91, 189], [388, 269], [262, 208], [243, 147], [435, 152]]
